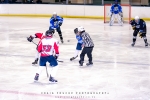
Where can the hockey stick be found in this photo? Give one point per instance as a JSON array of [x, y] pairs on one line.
[[47, 72], [60, 61], [33, 42]]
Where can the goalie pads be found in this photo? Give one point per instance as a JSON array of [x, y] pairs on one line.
[[121, 14]]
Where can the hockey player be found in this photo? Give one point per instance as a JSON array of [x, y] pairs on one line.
[[79, 44], [139, 26], [30, 39], [46, 47], [87, 45], [55, 23], [116, 12], [36, 35]]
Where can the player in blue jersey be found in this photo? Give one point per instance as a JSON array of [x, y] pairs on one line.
[[139, 27], [55, 23], [79, 44], [116, 13]]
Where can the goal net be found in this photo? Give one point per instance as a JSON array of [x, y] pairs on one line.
[[126, 9]]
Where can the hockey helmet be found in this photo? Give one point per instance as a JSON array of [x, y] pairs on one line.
[[54, 13], [136, 17], [49, 33], [81, 29], [116, 1]]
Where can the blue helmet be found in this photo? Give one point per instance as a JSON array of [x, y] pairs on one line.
[[116, 1]]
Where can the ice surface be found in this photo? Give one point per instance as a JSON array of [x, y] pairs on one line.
[[120, 72]]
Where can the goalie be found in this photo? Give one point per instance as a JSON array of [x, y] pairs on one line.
[[139, 27], [116, 13]]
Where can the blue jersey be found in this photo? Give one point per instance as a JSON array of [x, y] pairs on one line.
[[116, 9], [141, 25], [78, 37], [54, 23]]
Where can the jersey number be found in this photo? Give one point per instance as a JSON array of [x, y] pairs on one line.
[[116, 9], [55, 23], [47, 48]]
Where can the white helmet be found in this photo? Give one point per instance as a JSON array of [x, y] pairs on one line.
[[54, 13], [137, 18], [80, 29]]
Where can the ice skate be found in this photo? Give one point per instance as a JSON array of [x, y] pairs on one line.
[[62, 41], [133, 44], [35, 62], [146, 44], [81, 63], [52, 80], [36, 78], [89, 63]]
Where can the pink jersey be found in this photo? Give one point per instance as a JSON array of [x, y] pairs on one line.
[[39, 35], [47, 46]]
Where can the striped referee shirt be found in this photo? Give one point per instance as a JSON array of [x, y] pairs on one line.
[[87, 41]]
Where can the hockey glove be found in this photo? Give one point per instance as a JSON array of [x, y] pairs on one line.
[[30, 38], [141, 33], [133, 27], [56, 56], [53, 30]]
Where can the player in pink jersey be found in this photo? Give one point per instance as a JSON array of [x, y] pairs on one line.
[[40, 36], [47, 46]]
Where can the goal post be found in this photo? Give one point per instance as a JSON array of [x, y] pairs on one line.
[[126, 9]]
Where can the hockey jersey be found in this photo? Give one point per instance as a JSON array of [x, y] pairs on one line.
[[78, 37], [116, 9], [140, 25], [87, 41], [48, 46], [39, 35], [54, 22]]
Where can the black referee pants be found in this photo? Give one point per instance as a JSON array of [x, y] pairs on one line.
[[88, 51]]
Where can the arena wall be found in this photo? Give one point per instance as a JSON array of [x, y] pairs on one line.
[[70, 11]]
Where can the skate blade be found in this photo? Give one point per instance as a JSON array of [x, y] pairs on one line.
[[53, 82], [34, 64], [35, 81], [89, 65]]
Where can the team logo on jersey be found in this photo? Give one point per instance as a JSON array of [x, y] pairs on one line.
[[137, 26], [55, 23]]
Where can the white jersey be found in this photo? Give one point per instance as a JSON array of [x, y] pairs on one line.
[[48, 46]]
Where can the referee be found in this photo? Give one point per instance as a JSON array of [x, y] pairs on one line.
[[87, 46]]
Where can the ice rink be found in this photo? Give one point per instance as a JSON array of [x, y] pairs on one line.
[[120, 72]]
